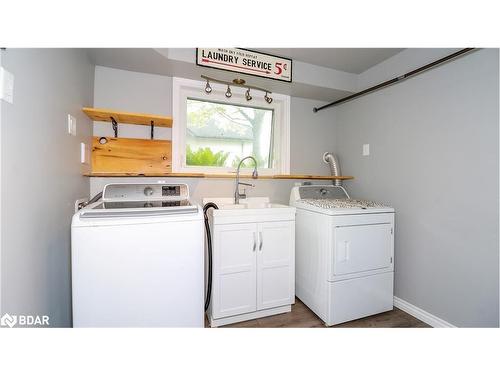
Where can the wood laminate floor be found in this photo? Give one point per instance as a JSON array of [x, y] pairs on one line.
[[301, 316]]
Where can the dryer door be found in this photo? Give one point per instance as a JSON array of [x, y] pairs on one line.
[[359, 248]]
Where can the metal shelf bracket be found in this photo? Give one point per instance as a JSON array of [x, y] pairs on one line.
[[115, 126]]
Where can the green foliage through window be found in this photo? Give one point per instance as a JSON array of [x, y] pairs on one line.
[[205, 156]]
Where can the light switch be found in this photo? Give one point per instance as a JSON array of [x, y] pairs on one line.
[[366, 149], [84, 153], [71, 125], [6, 86]]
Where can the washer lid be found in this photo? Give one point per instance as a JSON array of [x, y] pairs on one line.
[[138, 208]]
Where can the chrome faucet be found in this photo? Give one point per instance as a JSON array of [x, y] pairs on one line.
[[237, 194]]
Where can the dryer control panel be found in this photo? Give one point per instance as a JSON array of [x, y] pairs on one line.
[[145, 192]]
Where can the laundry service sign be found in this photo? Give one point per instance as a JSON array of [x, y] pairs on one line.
[[246, 61]]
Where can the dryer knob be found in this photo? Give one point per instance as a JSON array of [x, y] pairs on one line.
[[148, 191]]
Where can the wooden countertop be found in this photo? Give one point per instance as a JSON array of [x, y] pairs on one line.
[[225, 175]]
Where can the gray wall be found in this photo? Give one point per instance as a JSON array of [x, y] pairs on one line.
[[434, 157], [1, 53], [132, 92], [41, 177], [310, 135]]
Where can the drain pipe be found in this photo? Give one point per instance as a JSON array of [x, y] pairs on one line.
[[331, 160]]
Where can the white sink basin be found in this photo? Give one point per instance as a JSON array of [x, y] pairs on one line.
[[245, 204], [247, 208], [230, 206], [249, 205]]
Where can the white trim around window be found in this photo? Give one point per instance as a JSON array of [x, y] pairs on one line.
[[192, 89]]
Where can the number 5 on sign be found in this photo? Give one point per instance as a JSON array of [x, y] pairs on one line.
[[278, 67]]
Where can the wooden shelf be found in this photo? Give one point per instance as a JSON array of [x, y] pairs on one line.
[[121, 117], [310, 177], [132, 174], [228, 175], [129, 157]]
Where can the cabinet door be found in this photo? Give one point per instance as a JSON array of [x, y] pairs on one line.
[[234, 280], [275, 264]]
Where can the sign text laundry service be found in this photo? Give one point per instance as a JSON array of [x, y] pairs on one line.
[[246, 61]]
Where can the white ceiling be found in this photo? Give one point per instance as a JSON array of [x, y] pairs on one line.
[[351, 60]]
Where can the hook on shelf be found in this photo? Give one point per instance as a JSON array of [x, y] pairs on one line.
[[115, 126]]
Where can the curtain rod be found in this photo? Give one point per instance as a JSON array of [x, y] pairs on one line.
[[397, 79]]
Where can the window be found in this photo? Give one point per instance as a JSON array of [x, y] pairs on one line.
[[212, 133], [220, 135]]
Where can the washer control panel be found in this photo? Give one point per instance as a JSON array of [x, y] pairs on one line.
[[141, 192], [171, 190]]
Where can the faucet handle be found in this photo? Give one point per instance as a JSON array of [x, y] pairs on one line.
[[246, 184]]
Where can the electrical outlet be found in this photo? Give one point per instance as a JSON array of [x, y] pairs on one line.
[[72, 125], [6, 86], [366, 149]]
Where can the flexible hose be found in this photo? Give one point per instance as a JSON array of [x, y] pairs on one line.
[[331, 160], [209, 251], [95, 199]]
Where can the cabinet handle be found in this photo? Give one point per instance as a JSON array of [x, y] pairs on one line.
[[254, 242], [261, 241]]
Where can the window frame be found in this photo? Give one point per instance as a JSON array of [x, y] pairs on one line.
[[184, 89]]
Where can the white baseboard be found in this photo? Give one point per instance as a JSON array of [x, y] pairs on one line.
[[422, 315]]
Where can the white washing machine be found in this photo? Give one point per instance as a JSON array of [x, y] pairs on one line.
[[344, 266], [137, 259]]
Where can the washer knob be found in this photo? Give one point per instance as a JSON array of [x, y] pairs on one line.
[[148, 191], [323, 192]]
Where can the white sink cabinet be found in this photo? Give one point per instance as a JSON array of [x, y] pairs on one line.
[[253, 260]]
